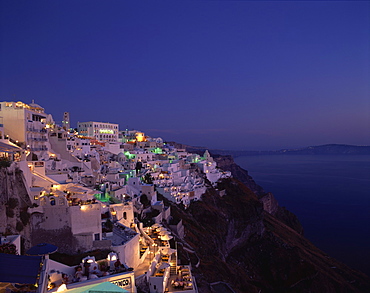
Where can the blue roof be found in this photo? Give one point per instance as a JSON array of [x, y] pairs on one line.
[[42, 249], [21, 269]]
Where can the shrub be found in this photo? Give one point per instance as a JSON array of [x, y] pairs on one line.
[[25, 217], [19, 226], [12, 202], [9, 212], [5, 162], [8, 248], [144, 200], [108, 226]]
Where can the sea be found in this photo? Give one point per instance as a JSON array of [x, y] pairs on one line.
[[330, 194]]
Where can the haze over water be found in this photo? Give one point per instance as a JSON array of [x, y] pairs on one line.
[[330, 196]]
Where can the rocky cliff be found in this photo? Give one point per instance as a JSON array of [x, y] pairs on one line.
[[14, 205], [227, 163], [270, 204], [234, 240]]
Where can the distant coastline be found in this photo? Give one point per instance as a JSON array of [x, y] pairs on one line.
[[327, 149]]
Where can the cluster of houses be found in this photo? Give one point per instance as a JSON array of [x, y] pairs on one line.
[[99, 187]]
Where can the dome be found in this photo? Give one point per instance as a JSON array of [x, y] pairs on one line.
[[34, 105]]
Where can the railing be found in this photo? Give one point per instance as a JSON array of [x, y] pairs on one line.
[[39, 149], [40, 139], [36, 130]]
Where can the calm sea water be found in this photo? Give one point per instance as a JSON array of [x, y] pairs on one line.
[[329, 194]]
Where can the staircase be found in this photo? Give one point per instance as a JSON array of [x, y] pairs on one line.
[[172, 262]]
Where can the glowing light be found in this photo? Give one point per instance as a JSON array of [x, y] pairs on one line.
[[108, 131], [129, 155], [62, 287], [157, 151], [112, 256], [140, 136]]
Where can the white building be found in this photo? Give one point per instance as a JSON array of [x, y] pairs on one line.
[[56, 270], [105, 132], [125, 242], [26, 124]]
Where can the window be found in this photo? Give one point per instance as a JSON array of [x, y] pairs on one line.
[[125, 215], [97, 237]]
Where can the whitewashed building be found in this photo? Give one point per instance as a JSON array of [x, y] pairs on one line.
[[27, 124], [101, 131]]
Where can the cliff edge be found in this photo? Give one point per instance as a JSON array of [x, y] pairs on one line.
[[270, 204]]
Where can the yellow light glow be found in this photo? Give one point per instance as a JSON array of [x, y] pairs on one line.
[[112, 257], [83, 208], [107, 131], [140, 136], [62, 287]]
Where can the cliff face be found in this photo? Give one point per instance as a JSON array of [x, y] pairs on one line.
[[232, 239], [14, 204], [270, 204], [227, 163]]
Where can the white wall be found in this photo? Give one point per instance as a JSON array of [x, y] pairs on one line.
[[86, 219], [129, 253], [121, 209]]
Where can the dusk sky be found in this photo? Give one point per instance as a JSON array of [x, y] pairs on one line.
[[220, 74]]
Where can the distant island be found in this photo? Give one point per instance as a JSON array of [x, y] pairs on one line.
[[327, 149]]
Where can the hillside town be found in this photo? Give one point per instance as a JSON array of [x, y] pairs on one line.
[[95, 187]]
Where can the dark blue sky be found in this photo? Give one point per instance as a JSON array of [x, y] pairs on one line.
[[221, 74]]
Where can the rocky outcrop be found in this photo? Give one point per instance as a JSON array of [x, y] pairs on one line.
[[227, 163], [270, 204]]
